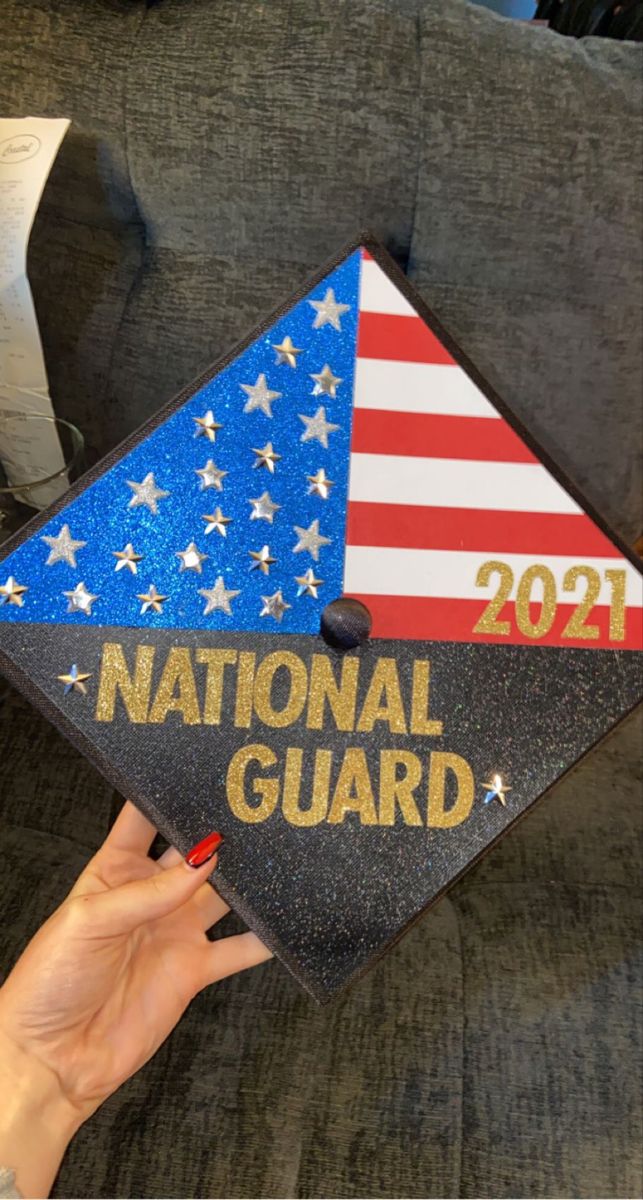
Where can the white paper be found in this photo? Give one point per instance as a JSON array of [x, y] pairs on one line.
[[28, 147]]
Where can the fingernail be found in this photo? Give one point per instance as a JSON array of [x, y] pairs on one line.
[[204, 851]]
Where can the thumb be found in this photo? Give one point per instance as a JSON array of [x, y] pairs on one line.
[[132, 904]]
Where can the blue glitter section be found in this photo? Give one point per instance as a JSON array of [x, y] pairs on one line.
[[101, 517]]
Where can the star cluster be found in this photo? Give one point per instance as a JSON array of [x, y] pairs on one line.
[[231, 513]]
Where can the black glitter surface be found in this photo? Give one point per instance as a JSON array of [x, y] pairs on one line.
[[330, 898]]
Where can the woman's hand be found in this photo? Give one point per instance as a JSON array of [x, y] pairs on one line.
[[101, 985]]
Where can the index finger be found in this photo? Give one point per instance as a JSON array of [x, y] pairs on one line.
[[131, 830]]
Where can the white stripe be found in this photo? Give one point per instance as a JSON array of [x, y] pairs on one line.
[[418, 388], [456, 483], [451, 574], [379, 294]]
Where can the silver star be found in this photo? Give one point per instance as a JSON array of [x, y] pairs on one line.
[[207, 426], [317, 428], [320, 484], [191, 559], [266, 457], [146, 493], [263, 560], [274, 606], [263, 508], [259, 396], [310, 539], [218, 597], [127, 558], [151, 599], [80, 600], [211, 476], [74, 681], [286, 352], [496, 791], [63, 548], [12, 592], [326, 383], [216, 520], [308, 584], [328, 311]]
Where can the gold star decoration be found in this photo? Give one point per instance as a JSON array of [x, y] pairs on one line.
[[317, 428], [320, 484], [263, 508], [308, 583], [207, 426], [191, 559], [151, 599], [286, 352], [12, 592], [262, 560], [127, 558], [328, 311], [496, 790], [211, 476], [310, 539], [266, 457], [260, 397], [146, 494], [74, 681], [218, 598], [80, 600], [216, 520], [274, 606], [62, 547], [326, 383]]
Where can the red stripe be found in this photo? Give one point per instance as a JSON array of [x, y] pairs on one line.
[[497, 533], [439, 620], [366, 255], [431, 435], [404, 339]]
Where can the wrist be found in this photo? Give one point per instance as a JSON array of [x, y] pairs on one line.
[[35, 1088], [37, 1120]]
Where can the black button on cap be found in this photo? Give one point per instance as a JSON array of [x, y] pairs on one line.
[[345, 623]]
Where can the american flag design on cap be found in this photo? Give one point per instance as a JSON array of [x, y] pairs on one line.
[[166, 615]]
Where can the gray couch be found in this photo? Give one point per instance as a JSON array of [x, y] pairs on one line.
[[220, 150]]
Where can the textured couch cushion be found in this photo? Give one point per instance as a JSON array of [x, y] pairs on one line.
[[220, 149], [527, 232]]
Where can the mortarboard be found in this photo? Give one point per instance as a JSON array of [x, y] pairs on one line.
[[165, 614]]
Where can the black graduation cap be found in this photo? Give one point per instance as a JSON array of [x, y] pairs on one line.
[[192, 615]]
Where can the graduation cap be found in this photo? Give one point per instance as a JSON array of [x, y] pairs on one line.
[[193, 615]]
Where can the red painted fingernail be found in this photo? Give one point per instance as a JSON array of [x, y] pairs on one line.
[[205, 850]]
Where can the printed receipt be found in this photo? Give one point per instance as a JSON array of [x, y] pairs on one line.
[[28, 147]]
